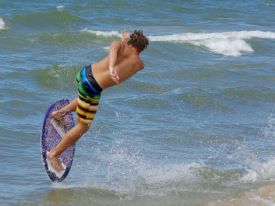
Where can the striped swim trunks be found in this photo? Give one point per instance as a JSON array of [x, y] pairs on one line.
[[89, 93]]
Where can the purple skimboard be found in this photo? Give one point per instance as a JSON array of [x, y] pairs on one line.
[[52, 133]]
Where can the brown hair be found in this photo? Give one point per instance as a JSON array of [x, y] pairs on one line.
[[138, 40]]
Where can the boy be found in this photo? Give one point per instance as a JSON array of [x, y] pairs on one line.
[[120, 64]]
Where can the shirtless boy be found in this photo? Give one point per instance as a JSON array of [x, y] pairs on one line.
[[122, 62]]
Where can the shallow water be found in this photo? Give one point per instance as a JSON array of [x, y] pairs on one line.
[[195, 127]]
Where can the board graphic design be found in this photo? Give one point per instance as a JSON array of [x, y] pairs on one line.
[[52, 133]]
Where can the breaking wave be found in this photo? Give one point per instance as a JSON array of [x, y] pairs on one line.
[[102, 33], [226, 43]]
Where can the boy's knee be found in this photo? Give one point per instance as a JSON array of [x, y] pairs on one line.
[[84, 127]]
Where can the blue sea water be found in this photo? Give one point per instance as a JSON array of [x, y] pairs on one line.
[[195, 127]]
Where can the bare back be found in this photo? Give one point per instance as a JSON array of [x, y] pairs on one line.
[[127, 64]]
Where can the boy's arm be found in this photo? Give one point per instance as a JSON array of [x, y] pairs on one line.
[[115, 46], [125, 36]]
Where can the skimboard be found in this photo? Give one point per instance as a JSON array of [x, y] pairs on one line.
[[52, 133]]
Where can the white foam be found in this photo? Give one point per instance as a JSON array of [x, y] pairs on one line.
[[106, 48], [2, 24], [225, 43], [258, 172], [60, 8], [103, 33]]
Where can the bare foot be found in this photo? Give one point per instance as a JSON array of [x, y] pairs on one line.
[[54, 163], [59, 115]]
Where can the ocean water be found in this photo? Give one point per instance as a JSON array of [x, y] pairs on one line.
[[196, 127]]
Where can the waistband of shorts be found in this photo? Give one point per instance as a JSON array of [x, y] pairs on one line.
[[88, 78]]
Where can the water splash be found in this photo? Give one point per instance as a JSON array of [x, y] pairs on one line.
[[260, 172]]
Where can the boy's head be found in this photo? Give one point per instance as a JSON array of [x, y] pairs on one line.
[[138, 40]]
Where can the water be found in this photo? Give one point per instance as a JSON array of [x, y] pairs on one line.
[[195, 127]]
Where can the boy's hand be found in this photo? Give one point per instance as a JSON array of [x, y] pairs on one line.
[[114, 74], [125, 36]]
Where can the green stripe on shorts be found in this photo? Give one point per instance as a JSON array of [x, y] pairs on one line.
[[82, 91]]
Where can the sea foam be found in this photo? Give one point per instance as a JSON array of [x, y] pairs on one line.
[[102, 33], [60, 8], [2, 24], [225, 43]]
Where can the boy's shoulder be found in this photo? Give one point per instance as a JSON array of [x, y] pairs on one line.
[[138, 62]]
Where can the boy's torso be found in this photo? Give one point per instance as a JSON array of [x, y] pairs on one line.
[[127, 64]]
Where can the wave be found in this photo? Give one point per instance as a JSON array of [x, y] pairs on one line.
[[63, 39], [60, 8], [56, 76], [226, 43], [103, 33], [201, 99], [50, 19], [244, 94], [2, 24]]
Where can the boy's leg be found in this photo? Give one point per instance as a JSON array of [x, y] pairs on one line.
[[69, 139]]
